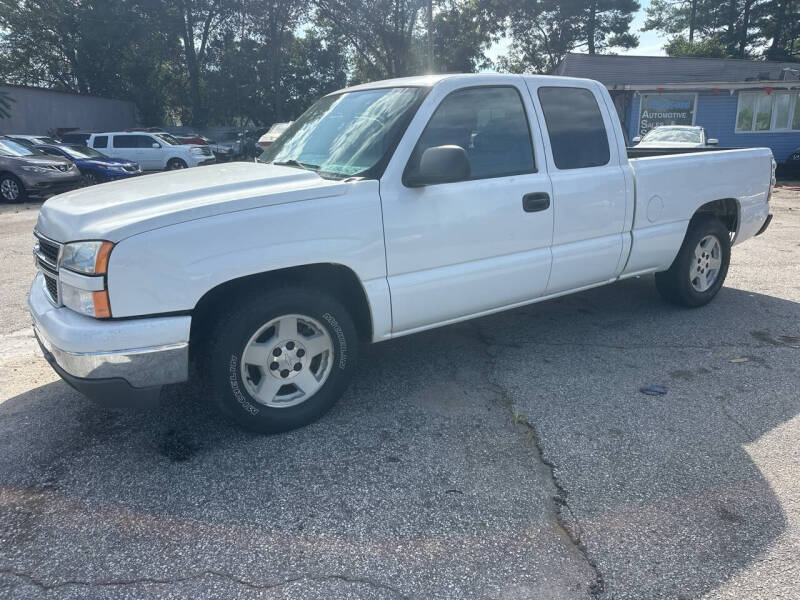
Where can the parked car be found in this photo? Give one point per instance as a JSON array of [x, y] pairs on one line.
[[95, 166], [76, 137], [388, 208], [152, 151], [32, 140], [25, 171], [190, 138], [675, 136], [266, 140], [791, 166], [221, 152]]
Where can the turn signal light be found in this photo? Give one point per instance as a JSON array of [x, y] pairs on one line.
[[102, 307]]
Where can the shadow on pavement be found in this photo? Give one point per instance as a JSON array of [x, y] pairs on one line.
[[417, 483]]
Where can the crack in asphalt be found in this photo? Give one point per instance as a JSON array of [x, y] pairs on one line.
[[199, 576], [571, 527], [736, 421]]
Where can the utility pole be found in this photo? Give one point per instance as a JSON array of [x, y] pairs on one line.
[[430, 36]]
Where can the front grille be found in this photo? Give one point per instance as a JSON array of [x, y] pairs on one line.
[[130, 169], [50, 251], [47, 254], [205, 150], [51, 285]]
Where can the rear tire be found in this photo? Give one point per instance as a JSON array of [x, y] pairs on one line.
[[11, 189], [700, 268], [279, 360]]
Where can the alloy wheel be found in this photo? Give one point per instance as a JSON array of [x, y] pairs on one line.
[[287, 360], [704, 269], [9, 190]]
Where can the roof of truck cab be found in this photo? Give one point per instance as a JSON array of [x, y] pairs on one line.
[[478, 78]]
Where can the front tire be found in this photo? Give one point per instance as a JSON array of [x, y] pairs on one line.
[[11, 189], [699, 270], [280, 360], [175, 164]]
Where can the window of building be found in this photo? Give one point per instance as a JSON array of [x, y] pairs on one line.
[[575, 125], [762, 112], [490, 124]]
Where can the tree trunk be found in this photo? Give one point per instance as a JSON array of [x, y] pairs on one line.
[[731, 34], [745, 29], [692, 18], [430, 36], [775, 50], [592, 26]]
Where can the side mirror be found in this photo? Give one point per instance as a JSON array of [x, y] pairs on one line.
[[712, 141], [156, 145], [637, 139], [440, 164]]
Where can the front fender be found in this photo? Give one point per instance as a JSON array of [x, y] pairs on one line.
[[169, 269]]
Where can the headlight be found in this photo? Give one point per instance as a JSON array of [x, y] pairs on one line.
[[196, 150], [35, 169], [90, 258]]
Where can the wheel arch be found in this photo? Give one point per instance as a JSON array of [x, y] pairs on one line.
[[337, 279], [173, 158], [727, 210]]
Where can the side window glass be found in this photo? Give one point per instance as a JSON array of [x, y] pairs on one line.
[[125, 141], [575, 125], [145, 141], [490, 124], [101, 141]]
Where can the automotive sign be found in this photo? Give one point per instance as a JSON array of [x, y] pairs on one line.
[[665, 109]]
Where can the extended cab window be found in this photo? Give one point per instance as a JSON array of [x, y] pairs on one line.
[[490, 124], [125, 141], [101, 141], [578, 135]]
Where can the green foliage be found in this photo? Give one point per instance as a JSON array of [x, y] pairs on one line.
[[740, 28], [544, 32], [254, 62], [711, 47]]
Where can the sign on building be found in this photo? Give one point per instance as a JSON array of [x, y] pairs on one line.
[[666, 109]]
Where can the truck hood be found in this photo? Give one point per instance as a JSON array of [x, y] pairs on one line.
[[114, 211]]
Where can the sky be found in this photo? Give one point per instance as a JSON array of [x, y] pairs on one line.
[[650, 42]]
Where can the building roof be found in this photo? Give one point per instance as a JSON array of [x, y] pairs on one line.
[[622, 71]]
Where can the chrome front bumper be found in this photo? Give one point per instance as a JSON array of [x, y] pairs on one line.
[[109, 359], [140, 367]]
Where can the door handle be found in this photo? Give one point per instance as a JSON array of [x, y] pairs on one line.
[[536, 202]]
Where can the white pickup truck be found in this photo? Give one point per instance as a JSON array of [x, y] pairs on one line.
[[386, 209]]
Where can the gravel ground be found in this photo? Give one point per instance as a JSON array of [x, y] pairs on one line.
[[512, 457]]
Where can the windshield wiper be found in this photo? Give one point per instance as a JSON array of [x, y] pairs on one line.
[[297, 163]]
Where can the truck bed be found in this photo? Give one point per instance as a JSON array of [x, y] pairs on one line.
[[670, 188], [635, 152]]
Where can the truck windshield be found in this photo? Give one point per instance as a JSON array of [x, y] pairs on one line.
[[347, 135]]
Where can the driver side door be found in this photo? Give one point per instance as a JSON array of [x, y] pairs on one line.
[[464, 248]]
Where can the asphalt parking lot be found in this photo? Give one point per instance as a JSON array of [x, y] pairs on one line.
[[513, 457]]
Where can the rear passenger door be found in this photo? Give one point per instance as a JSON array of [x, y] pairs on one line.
[[467, 247], [590, 199], [125, 146]]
